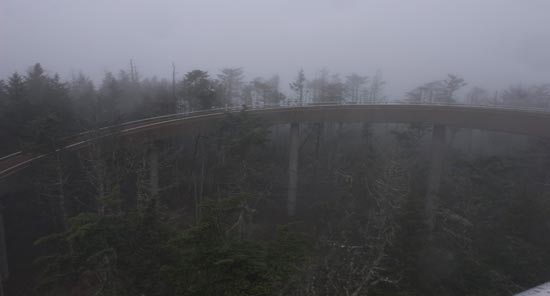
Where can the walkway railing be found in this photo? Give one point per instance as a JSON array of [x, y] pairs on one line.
[[21, 158], [284, 105]]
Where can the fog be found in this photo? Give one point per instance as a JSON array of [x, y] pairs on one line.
[[491, 43], [303, 147]]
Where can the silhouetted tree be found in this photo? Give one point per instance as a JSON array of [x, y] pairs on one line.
[[298, 86], [440, 91], [535, 96], [199, 91], [107, 110], [375, 91], [261, 92], [16, 113], [84, 98], [326, 88], [354, 84], [230, 84], [478, 96]]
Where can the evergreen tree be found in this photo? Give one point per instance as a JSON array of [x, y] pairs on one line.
[[298, 86], [375, 92], [107, 110], [262, 92], [199, 91], [83, 97], [354, 83], [230, 84], [36, 83]]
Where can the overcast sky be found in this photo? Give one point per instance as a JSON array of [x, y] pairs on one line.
[[491, 43]]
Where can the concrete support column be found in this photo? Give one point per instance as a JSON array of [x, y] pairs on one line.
[[436, 170], [469, 141], [293, 168], [154, 171]]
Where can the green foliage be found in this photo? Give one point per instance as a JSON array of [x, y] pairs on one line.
[[38, 110], [241, 142], [298, 86], [107, 255], [139, 253], [361, 197], [212, 260], [263, 92], [240, 133], [199, 90]]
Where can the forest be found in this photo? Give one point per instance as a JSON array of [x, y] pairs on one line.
[[213, 219]]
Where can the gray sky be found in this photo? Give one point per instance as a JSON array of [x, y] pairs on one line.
[[491, 43]]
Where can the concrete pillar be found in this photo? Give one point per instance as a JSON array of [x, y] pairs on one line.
[[293, 168], [154, 171], [469, 141], [435, 172]]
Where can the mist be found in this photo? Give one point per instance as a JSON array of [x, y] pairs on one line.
[[491, 43], [274, 147]]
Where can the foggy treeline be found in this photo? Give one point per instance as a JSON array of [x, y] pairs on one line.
[[41, 106], [78, 104], [204, 213]]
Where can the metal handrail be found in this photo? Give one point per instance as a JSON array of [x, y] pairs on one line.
[[109, 130]]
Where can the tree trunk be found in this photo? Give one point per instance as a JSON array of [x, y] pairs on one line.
[[434, 177], [293, 168]]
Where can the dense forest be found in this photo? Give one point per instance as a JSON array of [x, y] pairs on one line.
[[212, 220]]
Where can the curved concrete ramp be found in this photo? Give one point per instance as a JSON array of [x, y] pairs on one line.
[[509, 120]]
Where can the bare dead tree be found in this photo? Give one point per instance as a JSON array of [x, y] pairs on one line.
[[355, 253]]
